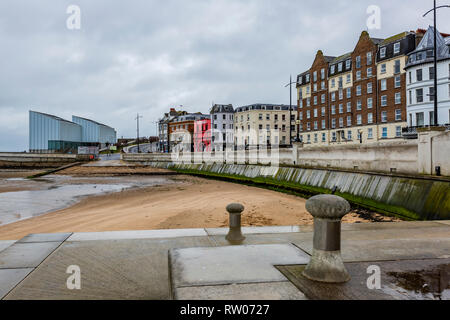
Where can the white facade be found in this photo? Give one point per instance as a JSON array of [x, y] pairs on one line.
[[420, 81], [420, 105], [222, 126]]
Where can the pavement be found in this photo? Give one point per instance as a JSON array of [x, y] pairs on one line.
[[201, 264]]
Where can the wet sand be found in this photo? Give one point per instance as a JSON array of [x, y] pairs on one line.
[[190, 202]]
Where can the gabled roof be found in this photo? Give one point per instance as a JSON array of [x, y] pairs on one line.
[[427, 43], [222, 108], [377, 40], [329, 58], [341, 58]]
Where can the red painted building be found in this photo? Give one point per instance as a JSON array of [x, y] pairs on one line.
[[202, 135]]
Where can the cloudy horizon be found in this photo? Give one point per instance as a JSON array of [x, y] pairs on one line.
[[148, 56]]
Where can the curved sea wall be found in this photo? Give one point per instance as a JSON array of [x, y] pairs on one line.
[[413, 198]]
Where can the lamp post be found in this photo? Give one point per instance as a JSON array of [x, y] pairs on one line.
[[290, 108], [435, 61], [137, 124]]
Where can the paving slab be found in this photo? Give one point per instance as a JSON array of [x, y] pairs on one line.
[[389, 249], [5, 244], [138, 234], [248, 291], [9, 278], [441, 231], [390, 225], [399, 280], [233, 264], [268, 238], [115, 269], [26, 255], [45, 237], [255, 230]]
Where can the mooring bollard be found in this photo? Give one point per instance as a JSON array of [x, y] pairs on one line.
[[326, 263], [234, 234]]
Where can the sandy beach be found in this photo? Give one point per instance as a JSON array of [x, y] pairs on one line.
[[187, 202]]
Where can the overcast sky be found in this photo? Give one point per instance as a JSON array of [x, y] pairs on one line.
[[149, 55]]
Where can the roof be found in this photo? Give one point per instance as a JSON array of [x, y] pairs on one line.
[[54, 117], [222, 108], [377, 40], [98, 123], [342, 57], [329, 58], [426, 44], [394, 38]]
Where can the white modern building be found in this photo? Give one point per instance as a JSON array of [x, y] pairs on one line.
[[222, 126], [93, 131], [420, 81]]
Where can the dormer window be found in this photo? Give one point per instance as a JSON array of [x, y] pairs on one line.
[[397, 48], [340, 66], [383, 53], [348, 64], [332, 69]]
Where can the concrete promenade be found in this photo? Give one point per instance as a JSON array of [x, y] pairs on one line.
[[200, 264]]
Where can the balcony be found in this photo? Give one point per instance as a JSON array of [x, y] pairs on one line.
[[412, 132]]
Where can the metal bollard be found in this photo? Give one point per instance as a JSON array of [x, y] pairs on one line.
[[234, 235], [326, 263]]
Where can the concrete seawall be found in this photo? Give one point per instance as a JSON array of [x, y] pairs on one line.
[[30, 160], [408, 197]]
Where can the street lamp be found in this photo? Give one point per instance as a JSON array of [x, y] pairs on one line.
[[290, 108], [137, 124], [435, 61]]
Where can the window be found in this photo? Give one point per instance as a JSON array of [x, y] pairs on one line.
[[419, 119], [384, 116], [358, 90], [349, 135], [341, 94], [333, 123], [410, 96], [268, 116], [358, 62], [315, 76], [359, 119], [308, 90], [398, 114], [398, 131], [349, 121], [384, 133], [260, 116], [419, 95], [348, 64], [383, 68], [383, 101], [340, 67], [307, 77], [315, 113], [369, 58], [323, 124], [333, 109], [322, 99], [431, 93], [341, 108], [323, 111], [308, 102], [340, 83], [323, 137], [419, 76], [322, 73], [333, 96], [369, 72], [369, 87], [397, 48], [332, 69], [308, 114], [397, 67], [431, 73], [349, 93], [349, 107], [383, 85], [383, 52], [315, 100], [398, 82], [315, 137], [315, 87], [398, 98], [358, 75], [369, 103], [322, 86], [341, 122], [349, 78], [333, 83], [370, 133], [333, 136], [410, 76], [369, 118], [358, 105], [260, 127]]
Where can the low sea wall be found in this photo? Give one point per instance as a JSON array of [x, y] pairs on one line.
[[413, 198], [31, 160]]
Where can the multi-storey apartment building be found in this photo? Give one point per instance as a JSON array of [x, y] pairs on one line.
[[181, 131], [202, 135], [420, 81], [364, 93], [163, 128], [222, 123], [264, 124]]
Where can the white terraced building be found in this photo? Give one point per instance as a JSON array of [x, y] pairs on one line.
[[420, 81], [222, 126]]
